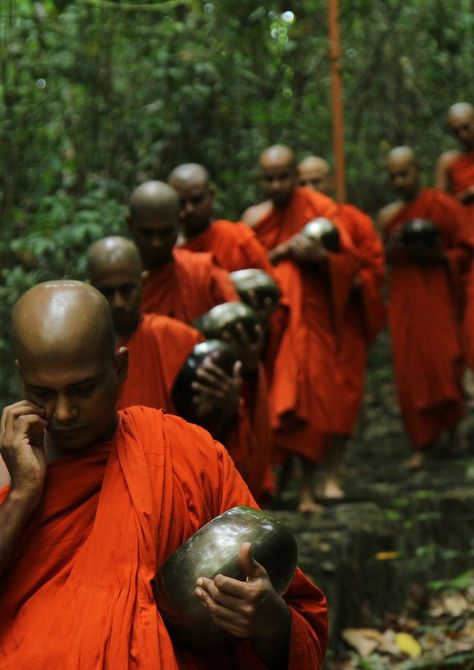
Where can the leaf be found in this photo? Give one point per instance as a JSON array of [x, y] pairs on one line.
[[408, 645], [358, 639]]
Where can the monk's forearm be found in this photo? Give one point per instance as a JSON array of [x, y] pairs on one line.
[[274, 649], [14, 513]]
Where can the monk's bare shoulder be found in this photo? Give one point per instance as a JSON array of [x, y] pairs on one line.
[[256, 213], [445, 160], [386, 214]]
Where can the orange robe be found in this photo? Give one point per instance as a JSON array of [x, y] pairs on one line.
[[364, 315], [157, 352], [305, 393], [77, 592], [188, 287], [250, 442], [424, 318], [234, 246], [461, 177]]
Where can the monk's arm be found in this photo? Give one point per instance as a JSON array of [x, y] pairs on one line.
[[21, 446], [441, 178]]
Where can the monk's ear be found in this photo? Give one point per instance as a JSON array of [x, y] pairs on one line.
[[121, 364]]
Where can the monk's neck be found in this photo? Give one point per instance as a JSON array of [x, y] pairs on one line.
[[408, 199], [192, 233]]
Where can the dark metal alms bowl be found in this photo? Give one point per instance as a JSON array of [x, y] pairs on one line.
[[221, 354], [227, 316], [324, 231], [420, 231], [214, 550], [258, 281]]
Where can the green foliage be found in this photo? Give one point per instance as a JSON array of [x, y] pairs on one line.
[[98, 95]]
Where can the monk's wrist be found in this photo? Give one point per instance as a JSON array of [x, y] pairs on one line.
[[273, 645]]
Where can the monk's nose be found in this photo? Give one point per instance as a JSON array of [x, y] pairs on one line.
[[65, 411], [117, 300]]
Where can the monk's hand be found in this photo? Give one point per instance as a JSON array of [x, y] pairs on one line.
[[250, 608], [22, 432], [249, 346], [278, 253], [304, 250], [217, 393], [263, 308]]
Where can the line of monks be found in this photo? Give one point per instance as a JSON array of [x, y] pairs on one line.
[[85, 487]]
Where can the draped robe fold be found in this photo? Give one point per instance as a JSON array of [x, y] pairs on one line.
[[461, 177], [234, 246], [424, 318], [187, 287], [364, 315], [157, 352], [77, 593], [305, 392]]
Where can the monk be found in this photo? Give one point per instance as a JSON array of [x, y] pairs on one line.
[[180, 284], [233, 245], [425, 287], [363, 317], [157, 345], [97, 501], [455, 169], [455, 174], [305, 394]]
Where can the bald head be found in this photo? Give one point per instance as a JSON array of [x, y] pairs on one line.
[[114, 268], [461, 123], [402, 167], [314, 173], [278, 174], [113, 254], [62, 320], [153, 222], [196, 196]]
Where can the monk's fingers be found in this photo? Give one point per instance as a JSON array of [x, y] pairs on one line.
[[220, 597], [210, 392], [213, 375], [225, 616], [21, 408]]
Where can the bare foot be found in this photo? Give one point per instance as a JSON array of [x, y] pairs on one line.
[[415, 462], [308, 504], [331, 490]]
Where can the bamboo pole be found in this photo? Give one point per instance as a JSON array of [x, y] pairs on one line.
[[336, 100]]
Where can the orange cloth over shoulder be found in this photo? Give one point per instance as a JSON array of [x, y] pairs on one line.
[[424, 318], [364, 315], [188, 287], [233, 245], [305, 400], [157, 352], [77, 593]]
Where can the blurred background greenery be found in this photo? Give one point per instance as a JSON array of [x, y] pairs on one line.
[[97, 96]]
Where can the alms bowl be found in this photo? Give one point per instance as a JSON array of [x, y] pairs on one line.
[[213, 550], [324, 231], [258, 282], [226, 317]]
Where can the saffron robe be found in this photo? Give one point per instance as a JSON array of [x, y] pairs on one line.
[[234, 246], [364, 315], [249, 442], [305, 393], [157, 352], [187, 287], [424, 319], [77, 593], [461, 177]]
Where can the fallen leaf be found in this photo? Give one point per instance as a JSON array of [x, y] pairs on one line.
[[360, 642], [408, 645]]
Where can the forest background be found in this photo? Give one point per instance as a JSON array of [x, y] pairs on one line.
[[97, 96]]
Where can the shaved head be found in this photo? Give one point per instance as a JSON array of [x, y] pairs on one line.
[[114, 267], [278, 174], [113, 253], [402, 167], [62, 319], [154, 198], [461, 122], [314, 173], [65, 346], [402, 154], [196, 197], [188, 173], [277, 155], [154, 222]]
